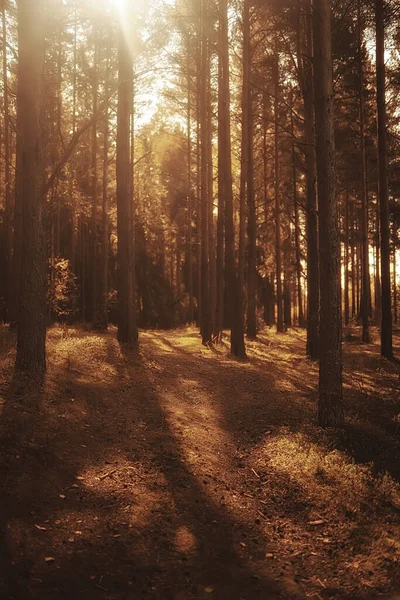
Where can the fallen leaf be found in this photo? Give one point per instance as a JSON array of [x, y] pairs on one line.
[[318, 522], [57, 522], [40, 528], [243, 544], [78, 532], [269, 555], [49, 559], [80, 478], [62, 496], [209, 590], [75, 485]]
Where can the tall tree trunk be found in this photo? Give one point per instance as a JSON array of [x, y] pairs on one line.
[[236, 312], [247, 176], [311, 201], [206, 332], [386, 325], [395, 242], [221, 249], [127, 328], [210, 202], [378, 289], [31, 340], [94, 184], [365, 291], [278, 260], [244, 156], [269, 293], [189, 232], [346, 261], [74, 216], [301, 321], [8, 213], [102, 315], [252, 232], [198, 193], [330, 404]]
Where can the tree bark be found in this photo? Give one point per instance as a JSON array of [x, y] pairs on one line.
[[94, 184], [365, 290], [127, 328], [102, 313], [346, 261], [301, 321], [236, 313], [189, 232], [31, 339], [278, 259], [311, 202], [386, 324], [330, 403], [8, 213], [206, 331]]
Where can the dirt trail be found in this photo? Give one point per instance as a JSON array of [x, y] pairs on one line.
[[179, 473]]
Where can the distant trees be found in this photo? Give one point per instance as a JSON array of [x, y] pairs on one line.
[[190, 175]]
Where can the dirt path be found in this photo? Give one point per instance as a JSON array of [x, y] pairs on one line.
[[181, 474]]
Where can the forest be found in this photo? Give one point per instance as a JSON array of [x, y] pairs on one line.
[[199, 299]]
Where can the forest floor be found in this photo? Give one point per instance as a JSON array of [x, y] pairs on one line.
[[178, 473]]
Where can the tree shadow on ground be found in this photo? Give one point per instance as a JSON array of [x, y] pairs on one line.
[[169, 539], [136, 474]]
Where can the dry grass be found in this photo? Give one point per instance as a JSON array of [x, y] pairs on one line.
[[202, 472]]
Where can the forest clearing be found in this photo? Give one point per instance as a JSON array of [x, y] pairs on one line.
[[180, 473]]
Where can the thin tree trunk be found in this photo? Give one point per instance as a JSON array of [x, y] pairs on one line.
[[206, 331], [301, 321], [189, 232], [395, 241], [236, 313], [244, 156], [252, 231], [74, 219], [102, 317], [221, 250], [278, 260], [330, 403], [94, 183], [346, 261], [365, 292], [353, 266], [7, 178], [198, 196], [386, 325], [378, 289], [312, 349], [127, 328], [210, 203]]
